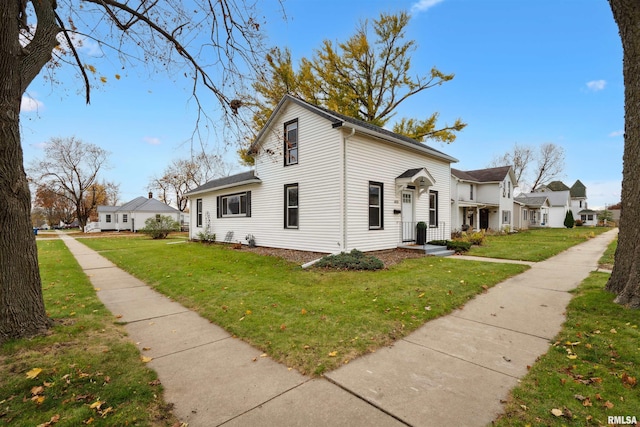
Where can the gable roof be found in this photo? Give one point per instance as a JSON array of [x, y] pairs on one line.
[[338, 120], [556, 186], [140, 204], [578, 190], [531, 199], [242, 178], [485, 175]]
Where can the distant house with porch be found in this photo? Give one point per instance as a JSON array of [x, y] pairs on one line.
[[564, 198], [531, 210], [483, 198], [326, 182], [132, 215]]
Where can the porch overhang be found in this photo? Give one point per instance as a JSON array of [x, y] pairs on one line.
[[420, 178]]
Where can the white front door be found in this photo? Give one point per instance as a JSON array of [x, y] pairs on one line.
[[408, 226]]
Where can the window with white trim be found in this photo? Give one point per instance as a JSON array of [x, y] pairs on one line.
[[376, 217], [291, 143], [506, 217], [234, 205], [291, 208], [198, 212], [107, 217], [433, 209], [125, 218]]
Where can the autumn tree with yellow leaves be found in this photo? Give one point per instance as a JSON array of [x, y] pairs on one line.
[[365, 77]]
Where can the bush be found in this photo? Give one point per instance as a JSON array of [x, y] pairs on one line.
[[453, 245], [568, 219], [457, 246], [206, 236], [354, 260], [578, 223], [160, 227]]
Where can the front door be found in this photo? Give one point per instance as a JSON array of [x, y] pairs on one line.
[[408, 225], [484, 219]]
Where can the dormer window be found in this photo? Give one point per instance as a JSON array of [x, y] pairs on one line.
[[291, 143]]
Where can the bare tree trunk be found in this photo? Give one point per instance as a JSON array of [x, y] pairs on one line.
[[22, 311], [625, 279]]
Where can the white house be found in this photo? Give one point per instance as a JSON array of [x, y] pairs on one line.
[[577, 203], [531, 210], [482, 199], [132, 215], [326, 182]]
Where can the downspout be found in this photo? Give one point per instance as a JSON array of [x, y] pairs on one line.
[[344, 190]]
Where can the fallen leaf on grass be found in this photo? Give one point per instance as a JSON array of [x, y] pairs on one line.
[[146, 359], [33, 373], [37, 390], [333, 354], [95, 405], [303, 311], [608, 405], [613, 331], [557, 412], [628, 381], [155, 382], [51, 422]]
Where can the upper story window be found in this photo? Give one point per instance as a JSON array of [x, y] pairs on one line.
[[470, 191], [291, 142], [238, 204], [509, 189]]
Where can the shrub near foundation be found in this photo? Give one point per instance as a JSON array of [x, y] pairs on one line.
[[354, 260]]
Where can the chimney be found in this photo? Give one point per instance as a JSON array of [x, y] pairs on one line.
[[150, 195]]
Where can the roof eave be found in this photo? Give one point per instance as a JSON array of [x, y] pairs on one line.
[[223, 187]]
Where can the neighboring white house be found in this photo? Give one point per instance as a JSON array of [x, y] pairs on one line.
[[559, 204], [577, 203], [132, 215], [531, 210], [326, 182], [482, 199]]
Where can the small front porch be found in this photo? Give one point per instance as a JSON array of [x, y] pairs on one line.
[[408, 239]]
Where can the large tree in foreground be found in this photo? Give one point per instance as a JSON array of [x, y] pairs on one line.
[[211, 43], [625, 279], [366, 77]]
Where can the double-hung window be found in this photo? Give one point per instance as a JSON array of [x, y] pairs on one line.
[[376, 217], [470, 191], [433, 209], [291, 207], [506, 217], [291, 143], [233, 205], [108, 217], [198, 212], [125, 218]]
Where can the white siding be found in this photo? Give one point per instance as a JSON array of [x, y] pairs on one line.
[[372, 160]]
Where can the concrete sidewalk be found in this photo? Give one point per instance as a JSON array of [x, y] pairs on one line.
[[452, 371]]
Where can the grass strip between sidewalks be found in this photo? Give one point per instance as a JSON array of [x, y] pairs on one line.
[[310, 320], [535, 244], [84, 371], [591, 372]]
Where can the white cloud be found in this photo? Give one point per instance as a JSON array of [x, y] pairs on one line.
[[424, 5], [151, 140], [596, 85], [30, 104], [616, 133]]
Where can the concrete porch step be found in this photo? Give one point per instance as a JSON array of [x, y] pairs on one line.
[[436, 250]]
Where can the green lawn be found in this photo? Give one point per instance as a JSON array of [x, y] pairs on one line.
[[311, 320], [591, 371], [84, 371], [535, 244]]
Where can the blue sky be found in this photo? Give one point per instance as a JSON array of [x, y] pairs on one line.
[[526, 72]]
